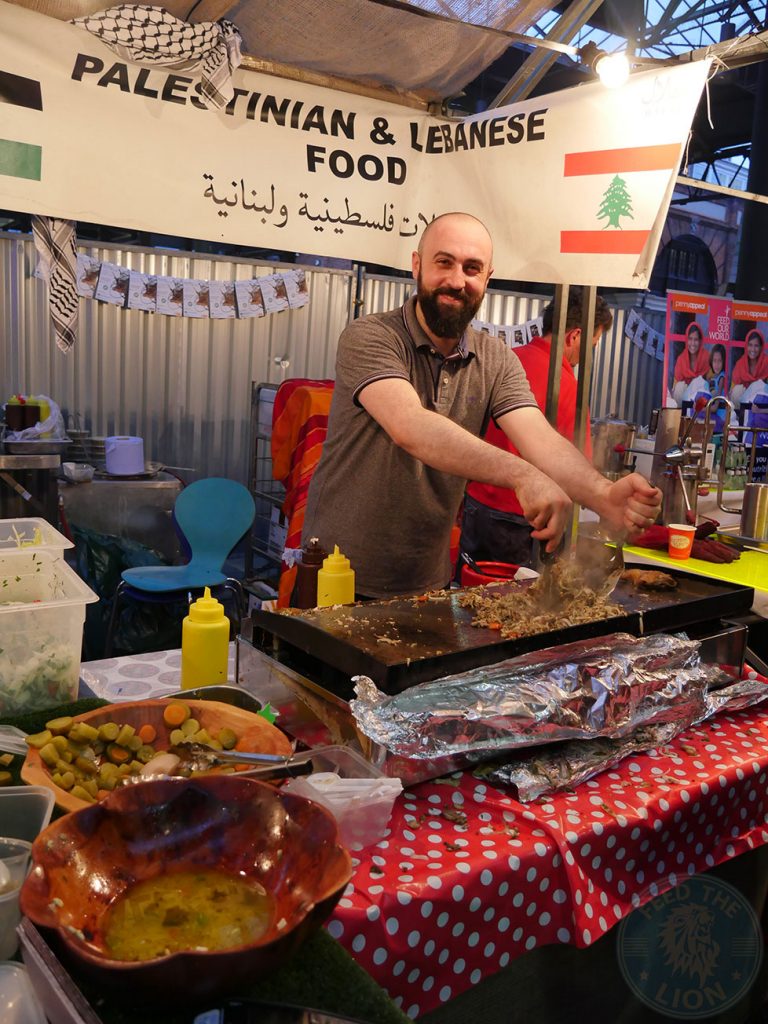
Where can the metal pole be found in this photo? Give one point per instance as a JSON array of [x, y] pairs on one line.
[[589, 296], [358, 301], [588, 299], [556, 352]]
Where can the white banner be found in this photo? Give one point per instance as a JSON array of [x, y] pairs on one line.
[[573, 186]]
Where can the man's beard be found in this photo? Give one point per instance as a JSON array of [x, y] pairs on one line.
[[449, 323]]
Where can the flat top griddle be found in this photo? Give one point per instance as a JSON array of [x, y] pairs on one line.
[[405, 641]]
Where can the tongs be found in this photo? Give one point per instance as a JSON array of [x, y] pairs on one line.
[[197, 757], [12, 740]]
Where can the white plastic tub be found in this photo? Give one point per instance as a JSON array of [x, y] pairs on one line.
[[42, 611], [20, 534]]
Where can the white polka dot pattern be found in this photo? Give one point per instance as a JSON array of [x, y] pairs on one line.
[[137, 676], [489, 878]]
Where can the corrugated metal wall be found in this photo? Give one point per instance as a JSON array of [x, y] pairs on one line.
[[184, 385], [627, 382]]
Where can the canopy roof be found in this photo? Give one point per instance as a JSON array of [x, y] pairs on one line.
[[431, 48]]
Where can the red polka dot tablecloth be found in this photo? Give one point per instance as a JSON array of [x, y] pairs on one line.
[[466, 878]]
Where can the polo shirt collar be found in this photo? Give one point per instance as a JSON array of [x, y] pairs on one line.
[[464, 349]]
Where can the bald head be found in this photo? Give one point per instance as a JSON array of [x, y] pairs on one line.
[[461, 224]]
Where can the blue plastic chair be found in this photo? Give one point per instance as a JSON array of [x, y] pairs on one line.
[[211, 516]]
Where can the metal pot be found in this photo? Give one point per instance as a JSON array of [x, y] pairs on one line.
[[606, 436], [754, 512]]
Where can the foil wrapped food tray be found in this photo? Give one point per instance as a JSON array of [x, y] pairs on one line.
[[316, 716]]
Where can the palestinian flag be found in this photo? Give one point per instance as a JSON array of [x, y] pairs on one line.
[[20, 159], [616, 200]]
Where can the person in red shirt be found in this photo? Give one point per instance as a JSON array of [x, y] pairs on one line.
[[493, 527], [751, 367], [692, 362]]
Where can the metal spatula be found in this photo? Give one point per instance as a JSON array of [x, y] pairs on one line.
[[547, 584], [614, 565], [601, 565]]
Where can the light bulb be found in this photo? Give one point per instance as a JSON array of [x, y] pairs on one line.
[[613, 69]]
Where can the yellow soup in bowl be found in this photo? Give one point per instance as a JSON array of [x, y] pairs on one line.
[[188, 910]]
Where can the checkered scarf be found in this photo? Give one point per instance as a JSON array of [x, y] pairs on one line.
[[151, 36], [143, 35], [57, 264]]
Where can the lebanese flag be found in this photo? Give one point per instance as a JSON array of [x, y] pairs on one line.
[[635, 160]]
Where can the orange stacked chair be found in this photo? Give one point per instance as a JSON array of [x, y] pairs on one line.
[[299, 426]]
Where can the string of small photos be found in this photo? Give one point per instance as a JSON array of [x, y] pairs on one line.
[[196, 297], [637, 330], [512, 335], [643, 335]]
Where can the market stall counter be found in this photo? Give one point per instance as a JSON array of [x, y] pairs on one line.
[[320, 975], [472, 898]]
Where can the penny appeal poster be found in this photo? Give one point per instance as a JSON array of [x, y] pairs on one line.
[[697, 350], [715, 346], [719, 347]]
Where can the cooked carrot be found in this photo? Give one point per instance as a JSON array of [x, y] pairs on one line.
[[118, 755], [147, 733], [175, 713]]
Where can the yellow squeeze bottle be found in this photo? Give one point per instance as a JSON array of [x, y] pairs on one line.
[[335, 581], [204, 643], [45, 411]]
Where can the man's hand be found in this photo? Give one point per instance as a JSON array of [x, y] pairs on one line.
[[630, 505], [545, 505]]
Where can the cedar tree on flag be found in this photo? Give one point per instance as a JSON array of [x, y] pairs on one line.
[[616, 203]]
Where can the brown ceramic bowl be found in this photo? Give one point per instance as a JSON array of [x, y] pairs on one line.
[[254, 734], [85, 861]]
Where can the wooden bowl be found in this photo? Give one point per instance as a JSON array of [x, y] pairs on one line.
[[254, 734], [85, 861]]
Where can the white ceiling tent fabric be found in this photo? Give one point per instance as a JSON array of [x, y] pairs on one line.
[[403, 50]]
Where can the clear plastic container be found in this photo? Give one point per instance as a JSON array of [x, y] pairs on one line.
[[19, 534], [25, 811], [18, 1001], [354, 791], [42, 611], [14, 862], [344, 761]]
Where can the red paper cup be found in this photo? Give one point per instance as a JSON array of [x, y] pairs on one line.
[[680, 540]]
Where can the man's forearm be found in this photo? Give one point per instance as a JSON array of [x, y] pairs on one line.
[[566, 465], [541, 445], [444, 445]]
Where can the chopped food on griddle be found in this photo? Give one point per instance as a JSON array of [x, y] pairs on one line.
[[529, 610]]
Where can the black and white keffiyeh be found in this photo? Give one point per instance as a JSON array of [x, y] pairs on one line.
[[57, 264], [148, 36], [152, 36]]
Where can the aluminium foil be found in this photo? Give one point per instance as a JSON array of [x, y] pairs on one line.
[[596, 688]]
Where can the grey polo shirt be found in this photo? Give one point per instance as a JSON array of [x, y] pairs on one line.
[[389, 513]]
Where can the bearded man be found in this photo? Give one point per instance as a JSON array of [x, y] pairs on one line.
[[415, 388]]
